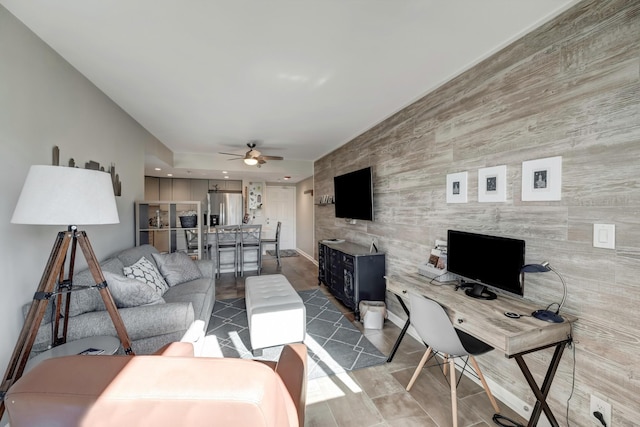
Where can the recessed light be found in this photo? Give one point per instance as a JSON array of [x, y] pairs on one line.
[[158, 169], [287, 178], [226, 177], [169, 174], [225, 172]]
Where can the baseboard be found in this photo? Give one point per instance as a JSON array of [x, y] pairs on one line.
[[307, 256], [512, 401]]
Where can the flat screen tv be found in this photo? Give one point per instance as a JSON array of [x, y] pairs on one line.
[[486, 262], [353, 195]]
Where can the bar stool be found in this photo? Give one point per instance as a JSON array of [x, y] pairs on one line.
[[250, 238], [275, 242], [227, 241]]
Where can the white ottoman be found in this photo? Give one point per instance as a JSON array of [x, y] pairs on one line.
[[275, 311]]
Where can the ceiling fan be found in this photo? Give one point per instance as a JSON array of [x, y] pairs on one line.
[[253, 156]]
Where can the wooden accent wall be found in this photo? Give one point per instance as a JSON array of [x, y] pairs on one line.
[[570, 88]]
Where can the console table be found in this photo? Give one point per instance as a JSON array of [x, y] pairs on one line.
[[485, 320], [351, 273]]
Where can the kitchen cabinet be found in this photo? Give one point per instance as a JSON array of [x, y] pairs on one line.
[[234, 185]]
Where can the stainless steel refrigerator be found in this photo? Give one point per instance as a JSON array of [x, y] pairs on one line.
[[224, 208]]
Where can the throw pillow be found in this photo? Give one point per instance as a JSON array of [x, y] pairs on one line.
[[177, 267], [128, 292], [144, 271]]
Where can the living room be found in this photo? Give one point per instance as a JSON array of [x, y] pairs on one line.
[[569, 88]]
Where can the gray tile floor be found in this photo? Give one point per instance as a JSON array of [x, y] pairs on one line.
[[376, 396]]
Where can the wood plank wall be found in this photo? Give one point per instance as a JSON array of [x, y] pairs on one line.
[[570, 88]]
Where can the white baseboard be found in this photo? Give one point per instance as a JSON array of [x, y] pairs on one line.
[[307, 256], [515, 403]]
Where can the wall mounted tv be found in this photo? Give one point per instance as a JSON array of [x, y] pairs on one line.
[[353, 195], [486, 261]]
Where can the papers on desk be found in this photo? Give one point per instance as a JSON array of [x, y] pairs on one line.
[[436, 266]]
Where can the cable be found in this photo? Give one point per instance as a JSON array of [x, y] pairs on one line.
[[573, 377], [499, 419], [600, 417]]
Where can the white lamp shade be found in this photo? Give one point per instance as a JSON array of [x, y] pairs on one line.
[[58, 195]]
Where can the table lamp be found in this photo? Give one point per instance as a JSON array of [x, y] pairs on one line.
[[57, 195], [546, 314]]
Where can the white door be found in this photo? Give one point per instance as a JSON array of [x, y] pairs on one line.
[[280, 205]]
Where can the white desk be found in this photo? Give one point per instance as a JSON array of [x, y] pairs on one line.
[[485, 320]]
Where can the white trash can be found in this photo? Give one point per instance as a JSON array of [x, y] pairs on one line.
[[372, 314]]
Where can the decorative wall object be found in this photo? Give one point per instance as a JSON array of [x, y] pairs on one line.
[[542, 179], [255, 195], [457, 187], [115, 178], [492, 184]]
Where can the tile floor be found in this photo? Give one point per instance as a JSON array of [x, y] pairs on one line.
[[376, 396]]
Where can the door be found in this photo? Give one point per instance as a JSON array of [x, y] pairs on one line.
[[280, 205]]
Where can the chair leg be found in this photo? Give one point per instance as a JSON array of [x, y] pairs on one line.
[[425, 357], [278, 254], [445, 364], [217, 264], [454, 395], [259, 259], [484, 384]]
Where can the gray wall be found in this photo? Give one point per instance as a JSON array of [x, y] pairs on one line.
[[45, 102], [570, 89], [304, 217]]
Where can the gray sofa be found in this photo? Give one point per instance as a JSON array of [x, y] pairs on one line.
[[149, 326]]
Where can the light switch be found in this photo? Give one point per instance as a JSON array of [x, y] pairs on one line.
[[604, 236]]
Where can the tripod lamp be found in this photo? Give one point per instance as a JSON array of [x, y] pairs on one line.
[[57, 195], [546, 314]]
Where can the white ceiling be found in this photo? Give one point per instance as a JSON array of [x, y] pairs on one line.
[[302, 77]]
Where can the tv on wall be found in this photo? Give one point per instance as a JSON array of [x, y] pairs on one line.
[[353, 195]]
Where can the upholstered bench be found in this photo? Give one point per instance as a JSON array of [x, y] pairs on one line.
[[275, 312]]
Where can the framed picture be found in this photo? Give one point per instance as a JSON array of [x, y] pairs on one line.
[[457, 187], [542, 179], [492, 184]]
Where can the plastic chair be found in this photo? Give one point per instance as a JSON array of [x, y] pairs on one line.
[[435, 329], [250, 239], [227, 241], [275, 242]]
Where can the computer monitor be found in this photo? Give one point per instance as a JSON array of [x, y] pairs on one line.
[[486, 262]]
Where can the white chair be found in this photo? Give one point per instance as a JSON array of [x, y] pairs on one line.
[[227, 241], [434, 328], [275, 242], [250, 238]]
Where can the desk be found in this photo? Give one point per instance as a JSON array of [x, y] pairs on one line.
[[485, 320]]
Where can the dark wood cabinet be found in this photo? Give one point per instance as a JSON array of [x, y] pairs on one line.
[[351, 273]]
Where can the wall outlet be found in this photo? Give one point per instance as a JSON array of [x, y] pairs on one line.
[[601, 406]]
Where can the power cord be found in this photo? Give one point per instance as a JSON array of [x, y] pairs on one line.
[[572, 345], [600, 417], [501, 419]]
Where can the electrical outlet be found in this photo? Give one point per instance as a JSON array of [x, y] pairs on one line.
[[601, 406]]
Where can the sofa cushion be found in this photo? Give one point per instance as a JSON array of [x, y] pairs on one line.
[[199, 292], [127, 292], [90, 300], [146, 272], [131, 255], [177, 267]]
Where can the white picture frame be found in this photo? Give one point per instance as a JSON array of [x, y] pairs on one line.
[[542, 179], [492, 184], [457, 187]]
